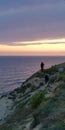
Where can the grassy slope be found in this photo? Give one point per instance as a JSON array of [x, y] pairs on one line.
[[38, 108]]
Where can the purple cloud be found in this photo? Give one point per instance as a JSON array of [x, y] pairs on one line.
[[22, 20]]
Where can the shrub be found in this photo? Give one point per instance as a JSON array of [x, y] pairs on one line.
[[61, 77], [37, 99], [51, 70]]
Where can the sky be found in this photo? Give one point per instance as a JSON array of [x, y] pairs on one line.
[[32, 27]]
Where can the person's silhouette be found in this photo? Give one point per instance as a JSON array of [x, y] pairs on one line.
[[42, 66], [46, 78]]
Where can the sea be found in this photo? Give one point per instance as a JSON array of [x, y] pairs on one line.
[[14, 70]]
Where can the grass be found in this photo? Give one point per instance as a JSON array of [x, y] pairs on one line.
[[22, 88], [17, 117], [50, 112], [51, 70], [57, 125], [61, 77], [54, 110], [37, 99], [12, 95]]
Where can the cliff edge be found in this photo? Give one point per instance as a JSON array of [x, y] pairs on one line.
[[37, 104]]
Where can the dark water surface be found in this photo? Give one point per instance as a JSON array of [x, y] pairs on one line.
[[16, 69]]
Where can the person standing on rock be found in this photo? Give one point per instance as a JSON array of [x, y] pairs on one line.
[[42, 66]]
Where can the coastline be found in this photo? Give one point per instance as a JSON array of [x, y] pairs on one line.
[[14, 70], [19, 99]]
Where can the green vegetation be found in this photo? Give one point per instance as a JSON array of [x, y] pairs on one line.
[[42, 107], [39, 74], [51, 70], [56, 125], [61, 77], [12, 95], [37, 99], [22, 88], [52, 112]]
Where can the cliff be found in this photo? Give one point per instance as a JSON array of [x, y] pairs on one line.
[[36, 105]]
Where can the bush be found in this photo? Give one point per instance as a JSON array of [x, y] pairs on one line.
[[37, 99], [51, 70], [61, 77]]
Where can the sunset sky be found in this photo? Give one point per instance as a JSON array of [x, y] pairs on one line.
[[32, 27]]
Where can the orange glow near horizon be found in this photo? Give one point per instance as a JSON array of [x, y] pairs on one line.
[[39, 47]]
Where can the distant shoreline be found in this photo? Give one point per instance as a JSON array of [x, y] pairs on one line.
[[32, 56]]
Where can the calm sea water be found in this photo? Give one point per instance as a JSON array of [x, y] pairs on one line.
[[15, 70]]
